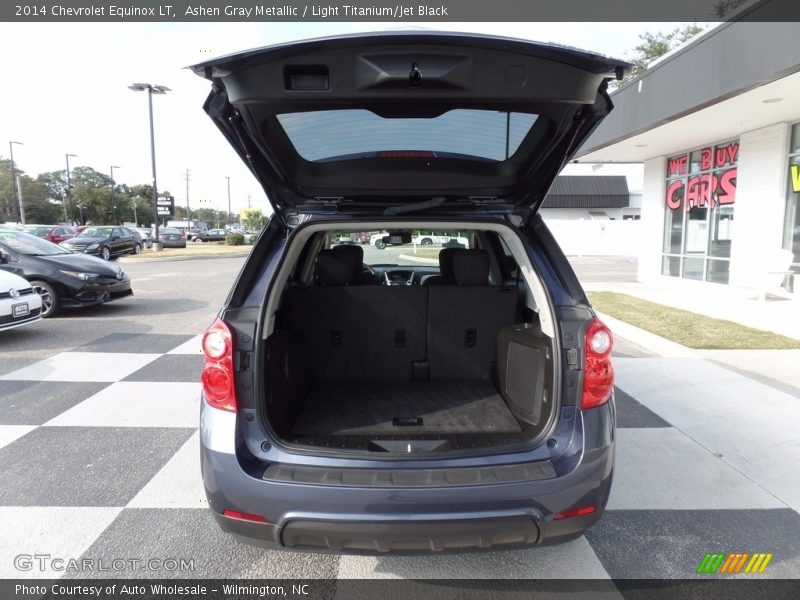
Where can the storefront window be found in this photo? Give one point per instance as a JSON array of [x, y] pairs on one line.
[[701, 191], [791, 237]]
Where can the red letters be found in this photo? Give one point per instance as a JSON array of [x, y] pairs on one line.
[[726, 192], [705, 159], [677, 165], [711, 188], [675, 194], [726, 155], [698, 190]]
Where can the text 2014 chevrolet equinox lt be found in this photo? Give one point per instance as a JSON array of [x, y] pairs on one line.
[[444, 397]]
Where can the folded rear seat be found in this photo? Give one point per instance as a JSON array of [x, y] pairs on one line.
[[464, 319], [358, 332]]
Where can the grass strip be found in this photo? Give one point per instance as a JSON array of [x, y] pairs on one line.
[[687, 328]]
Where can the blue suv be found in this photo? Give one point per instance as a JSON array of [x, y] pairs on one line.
[[419, 398]]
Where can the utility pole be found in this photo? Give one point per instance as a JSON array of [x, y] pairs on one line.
[[230, 217], [188, 210], [15, 191], [113, 200], [69, 191], [152, 89]]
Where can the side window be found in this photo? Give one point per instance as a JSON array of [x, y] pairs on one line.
[[116, 232], [509, 264]]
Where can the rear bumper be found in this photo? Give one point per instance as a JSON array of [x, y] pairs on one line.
[[360, 519]]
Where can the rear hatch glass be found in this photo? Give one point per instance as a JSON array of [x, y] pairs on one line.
[[352, 134]]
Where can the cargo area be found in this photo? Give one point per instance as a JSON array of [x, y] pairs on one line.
[[411, 368]]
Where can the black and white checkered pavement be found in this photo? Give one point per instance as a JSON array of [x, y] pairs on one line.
[[99, 459]]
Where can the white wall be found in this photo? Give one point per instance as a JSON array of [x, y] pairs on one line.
[[758, 213], [652, 220], [596, 238], [577, 213]]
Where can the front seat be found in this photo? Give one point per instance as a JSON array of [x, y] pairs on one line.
[[355, 255], [446, 276], [334, 268]]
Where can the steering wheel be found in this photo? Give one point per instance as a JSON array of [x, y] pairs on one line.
[[368, 270]]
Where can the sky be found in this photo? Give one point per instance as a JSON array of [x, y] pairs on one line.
[[66, 91]]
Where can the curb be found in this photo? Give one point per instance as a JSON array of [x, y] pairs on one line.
[[649, 341], [419, 259], [177, 258]]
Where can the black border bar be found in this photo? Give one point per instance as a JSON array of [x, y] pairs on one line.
[[398, 11]]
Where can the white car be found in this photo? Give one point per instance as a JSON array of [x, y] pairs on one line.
[[439, 239], [19, 304]]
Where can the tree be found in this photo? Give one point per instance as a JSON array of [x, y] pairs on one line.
[[38, 209], [724, 8], [253, 219], [656, 45]]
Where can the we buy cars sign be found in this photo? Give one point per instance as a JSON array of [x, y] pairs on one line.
[[165, 206]]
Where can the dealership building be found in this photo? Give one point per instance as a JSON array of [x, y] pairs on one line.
[[716, 124]]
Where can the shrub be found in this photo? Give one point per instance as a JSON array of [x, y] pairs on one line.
[[234, 239]]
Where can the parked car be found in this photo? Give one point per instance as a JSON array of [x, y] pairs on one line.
[[145, 235], [475, 411], [60, 277], [431, 238], [211, 235], [380, 240], [19, 304], [52, 233], [105, 241], [171, 237]]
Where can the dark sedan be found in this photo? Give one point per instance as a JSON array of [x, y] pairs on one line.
[[62, 278], [211, 235], [170, 237], [105, 241]]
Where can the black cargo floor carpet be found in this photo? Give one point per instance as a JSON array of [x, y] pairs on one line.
[[367, 407]]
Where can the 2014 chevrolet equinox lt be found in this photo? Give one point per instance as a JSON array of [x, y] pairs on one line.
[[407, 399]]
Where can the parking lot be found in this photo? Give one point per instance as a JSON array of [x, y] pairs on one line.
[[99, 454]]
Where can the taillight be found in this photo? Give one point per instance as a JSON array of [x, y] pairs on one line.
[[217, 373], [235, 514], [578, 512], [598, 374]]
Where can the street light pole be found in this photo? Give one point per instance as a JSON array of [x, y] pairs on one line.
[[68, 197], [152, 89], [230, 217], [113, 201], [16, 196], [188, 210]]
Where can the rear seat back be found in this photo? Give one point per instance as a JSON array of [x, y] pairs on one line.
[[359, 332], [464, 319]]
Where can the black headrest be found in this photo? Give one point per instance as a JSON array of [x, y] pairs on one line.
[[335, 267], [471, 267], [446, 256], [354, 253]]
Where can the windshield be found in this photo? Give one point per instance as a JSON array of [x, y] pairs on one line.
[[348, 134], [423, 250], [95, 232], [25, 243]]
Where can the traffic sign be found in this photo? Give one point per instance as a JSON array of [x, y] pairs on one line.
[[165, 206]]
